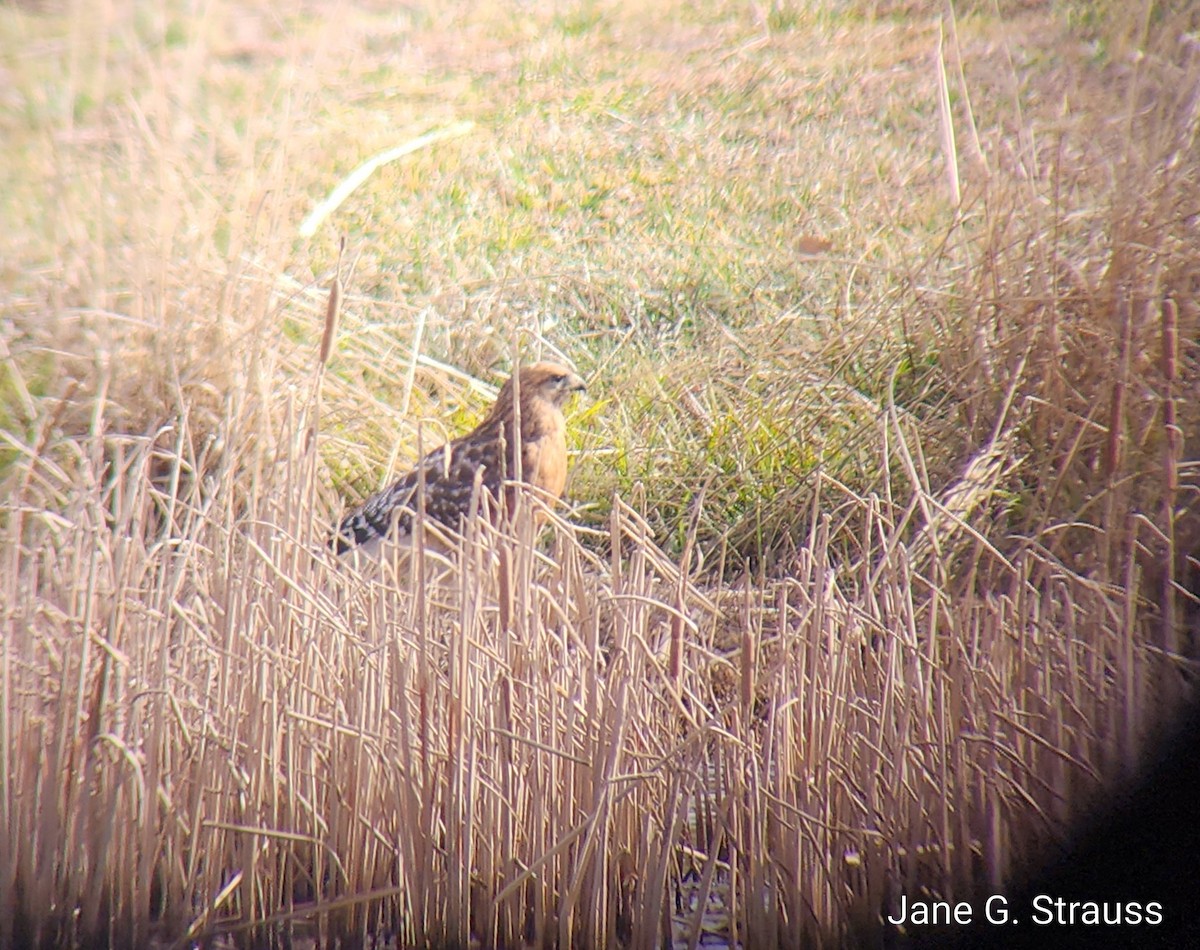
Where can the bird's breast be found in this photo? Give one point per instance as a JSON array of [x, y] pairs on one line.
[[545, 463]]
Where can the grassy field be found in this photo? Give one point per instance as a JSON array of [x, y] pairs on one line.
[[878, 563]]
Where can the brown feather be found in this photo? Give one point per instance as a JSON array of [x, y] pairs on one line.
[[530, 402]]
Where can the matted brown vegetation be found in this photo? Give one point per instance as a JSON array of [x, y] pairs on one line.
[[886, 573]]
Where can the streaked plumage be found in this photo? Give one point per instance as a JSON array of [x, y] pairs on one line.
[[535, 396]]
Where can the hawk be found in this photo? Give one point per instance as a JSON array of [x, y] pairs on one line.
[[531, 399]]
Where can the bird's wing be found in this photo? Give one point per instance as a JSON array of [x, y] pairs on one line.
[[449, 474]]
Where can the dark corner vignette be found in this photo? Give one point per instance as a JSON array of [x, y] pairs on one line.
[[1140, 848]]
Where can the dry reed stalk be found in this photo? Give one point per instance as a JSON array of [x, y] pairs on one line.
[[333, 309], [977, 151], [946, 117], [784, 788], [1116, 405], [1171, 636]]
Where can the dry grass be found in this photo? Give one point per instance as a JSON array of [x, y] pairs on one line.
[[238, 732], [891, 536]]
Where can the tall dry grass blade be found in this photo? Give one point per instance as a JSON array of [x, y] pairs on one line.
[[946, 117], [976, 145], [1115, 443], [1172, 639]]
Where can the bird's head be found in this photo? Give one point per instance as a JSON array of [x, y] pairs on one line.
[[550, 382]]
